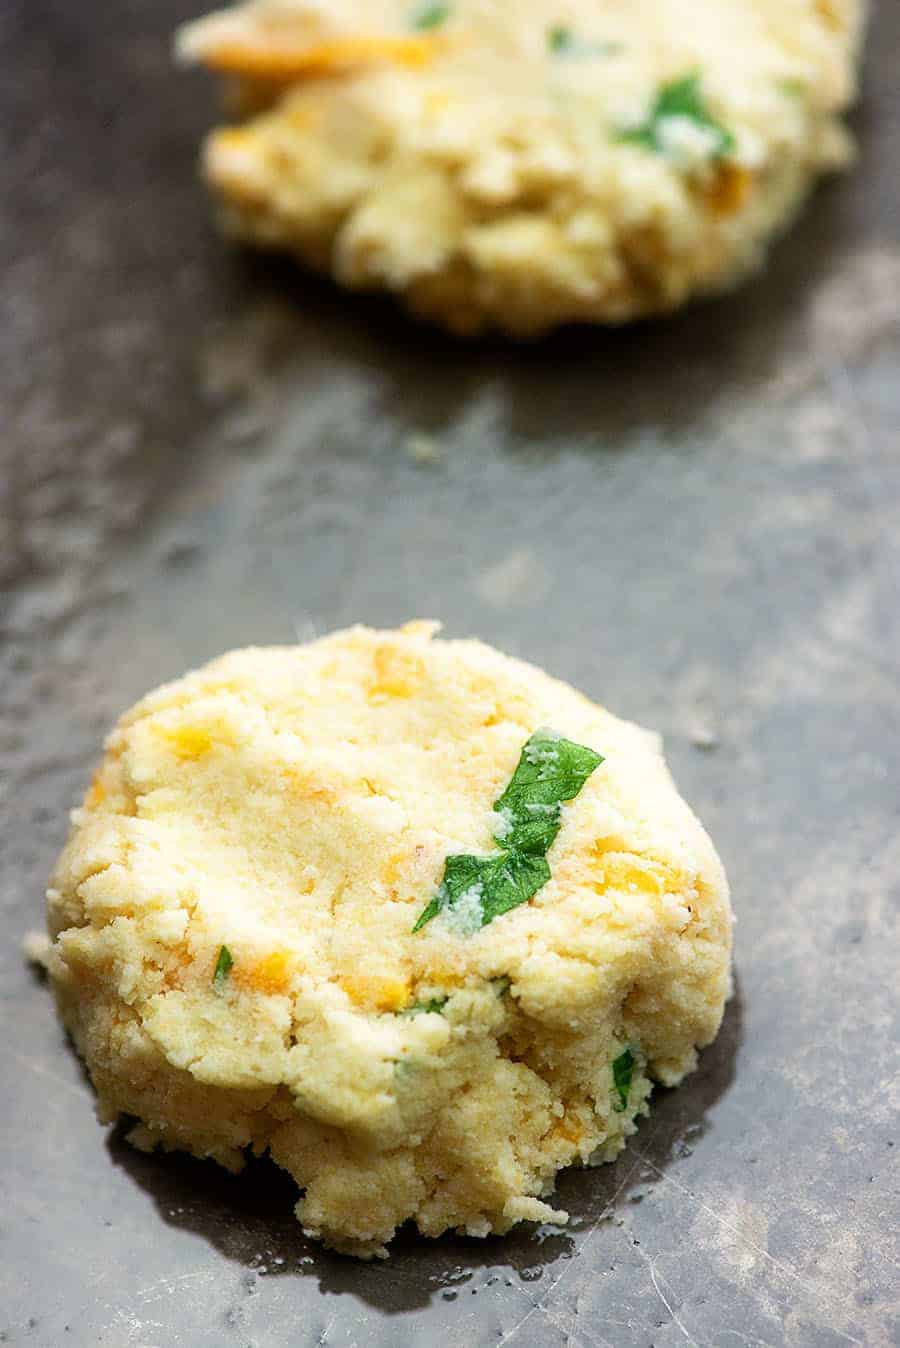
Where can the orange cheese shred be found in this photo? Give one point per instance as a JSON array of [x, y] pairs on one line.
[[264, 57]]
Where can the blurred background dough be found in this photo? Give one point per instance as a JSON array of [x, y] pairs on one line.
[[522, 165]]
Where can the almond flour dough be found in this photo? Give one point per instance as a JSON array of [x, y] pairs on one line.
[[233, 947], [523, 165]]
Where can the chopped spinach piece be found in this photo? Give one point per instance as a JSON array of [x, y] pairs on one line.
[[561, 41], [560, 38], [223, 966], [623, 1070], [434, 1006], [426, 17], [681, 100], [550, 770], [476, 889]]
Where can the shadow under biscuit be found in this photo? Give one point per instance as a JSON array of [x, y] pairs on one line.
[[249, 1217]]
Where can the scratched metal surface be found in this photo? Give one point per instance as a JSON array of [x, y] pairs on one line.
[[695, 521]]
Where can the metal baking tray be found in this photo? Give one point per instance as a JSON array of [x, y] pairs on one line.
[[693, 520]]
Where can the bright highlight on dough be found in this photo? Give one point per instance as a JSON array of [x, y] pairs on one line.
[[233, 929], [520, 165]]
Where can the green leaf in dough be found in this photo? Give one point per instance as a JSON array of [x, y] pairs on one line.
[[680, 100], [476, 889], [434, 1006], [561, 41], [223, 966], [426, 17], [550, 770], [622, 1071]]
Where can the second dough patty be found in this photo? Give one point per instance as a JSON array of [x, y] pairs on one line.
[[523, 165]]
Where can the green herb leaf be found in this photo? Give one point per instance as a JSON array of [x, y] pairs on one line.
[[426, 17], [794, 88], [561, 41], [682, 100], [223, 966], [623, 1070], [550, 770], [434, 1006], [559, 38], [476, 889]]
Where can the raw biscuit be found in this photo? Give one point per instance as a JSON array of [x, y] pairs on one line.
[[233, 943], [523, 165]]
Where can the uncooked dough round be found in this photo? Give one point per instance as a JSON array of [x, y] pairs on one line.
[[520, 165], [233, 946]]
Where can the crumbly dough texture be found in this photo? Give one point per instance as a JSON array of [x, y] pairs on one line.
[[296, 805], [470, 156]]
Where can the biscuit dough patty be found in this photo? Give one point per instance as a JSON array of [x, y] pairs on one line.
[[519, 165], [233, 947]]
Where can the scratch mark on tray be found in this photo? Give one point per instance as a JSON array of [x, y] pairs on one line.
[[639, 1157], [510, 1334], [169, 1285], [745, 1338], [542, 1304], [661, 1294], [785, 1269], [539, 1309], [544, 1309]]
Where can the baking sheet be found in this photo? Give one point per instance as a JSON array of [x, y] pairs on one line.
[[695, 521]]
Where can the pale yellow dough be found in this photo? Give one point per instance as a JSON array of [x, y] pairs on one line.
[[477, 167], [296, 805]]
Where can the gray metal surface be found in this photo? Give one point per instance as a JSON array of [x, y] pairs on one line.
[[695, 521]]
